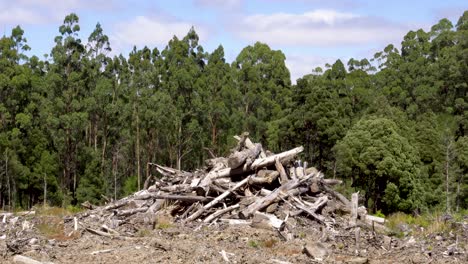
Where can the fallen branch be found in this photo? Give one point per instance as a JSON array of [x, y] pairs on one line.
[[216, 200], [220, 212], [268, 161], [184, 198], [26, 260]]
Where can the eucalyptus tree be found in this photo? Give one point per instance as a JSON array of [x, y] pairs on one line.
[[67, 80], [264, 81]]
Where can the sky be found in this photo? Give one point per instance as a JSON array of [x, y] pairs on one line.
[[310, 33]]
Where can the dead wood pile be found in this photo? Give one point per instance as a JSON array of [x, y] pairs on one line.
[[251, 187]]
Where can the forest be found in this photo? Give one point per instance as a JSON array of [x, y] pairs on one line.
[[80, 125]]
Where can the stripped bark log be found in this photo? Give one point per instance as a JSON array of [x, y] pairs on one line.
[[265, 162], [313, 208], [116, 205], [282, 172], [371, 218], [250, 145], [266, 178], [238, 158], [236, 221], [217, 200], [220, 213], [130, 211], [354, 209], [25, 260], [267, 221], [176, 188], [332, 181], [281, 156], [263, 202], [184, 198]]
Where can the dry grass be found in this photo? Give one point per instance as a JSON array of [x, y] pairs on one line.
[[289, 250], [424, 225], [269, 243], [163, 221], [50, 223]]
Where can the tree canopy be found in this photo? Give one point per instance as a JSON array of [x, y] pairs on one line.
[[82, 125]]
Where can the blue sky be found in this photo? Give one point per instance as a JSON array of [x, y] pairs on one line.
[[309, 32]]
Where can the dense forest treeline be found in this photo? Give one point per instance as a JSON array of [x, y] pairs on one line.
[[83, 125]]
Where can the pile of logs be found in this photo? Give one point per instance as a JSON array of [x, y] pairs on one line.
[[251, 186]]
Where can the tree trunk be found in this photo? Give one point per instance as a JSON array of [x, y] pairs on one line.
[[137, 154], [103, 154], [458, 191], [447, 164], [8, 179], [179, 148], [45, 190], [95, 135], [114, 173]]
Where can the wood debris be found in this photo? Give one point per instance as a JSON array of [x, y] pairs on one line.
[[247, 187]]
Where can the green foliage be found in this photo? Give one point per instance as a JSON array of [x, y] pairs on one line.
[[82, 125], [130, 185], [92, 185], [253, 244], [379, 214], [382, 163]]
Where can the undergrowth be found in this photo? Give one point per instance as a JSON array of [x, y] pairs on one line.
[[50, 221], [401, 224]]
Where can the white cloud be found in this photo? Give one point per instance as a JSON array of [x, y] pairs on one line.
[[300, 65], [45, 11], [221, 4], [152, 32], [319, 28], [15, 16]]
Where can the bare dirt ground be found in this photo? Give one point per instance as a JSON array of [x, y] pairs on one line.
[[222, 243]]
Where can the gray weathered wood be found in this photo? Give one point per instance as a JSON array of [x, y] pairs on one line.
[[354, 209], [267, 200], [184, 198], [239, 158], [217, 200], [281, 170], [268, 161], [220, 213]]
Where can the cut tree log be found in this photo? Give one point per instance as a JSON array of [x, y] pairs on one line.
[[236, 221], [250, 145], [268, 161], [282, 172], [263, 202], [267, 221], [116, 204], [131, 211], [27, 260], [299, 170], [312, 209], [371, 218], [184, 198], [264, 178], [332, 181], [239, 158], [176, 188], [217, 200], [249, 184], [220, 213], [354, 209], [265, 162]]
